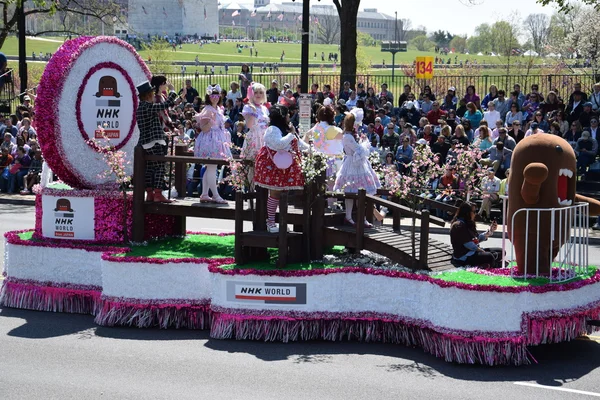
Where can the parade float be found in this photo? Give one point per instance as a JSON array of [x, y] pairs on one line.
[[78, 258]]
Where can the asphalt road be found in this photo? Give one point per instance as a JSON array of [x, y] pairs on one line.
[[62, 356]]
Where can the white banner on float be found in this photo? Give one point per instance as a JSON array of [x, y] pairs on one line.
[[68, 217]]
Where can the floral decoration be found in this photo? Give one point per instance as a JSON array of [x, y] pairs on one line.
[[51, 127]]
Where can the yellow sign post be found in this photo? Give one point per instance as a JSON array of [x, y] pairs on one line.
[[424, 68]]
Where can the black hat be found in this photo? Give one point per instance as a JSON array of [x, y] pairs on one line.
[[144, 87]]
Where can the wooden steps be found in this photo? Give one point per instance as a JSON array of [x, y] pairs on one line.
[[396, 245]]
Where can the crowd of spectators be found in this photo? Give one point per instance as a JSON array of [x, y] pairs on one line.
[[21, 158]]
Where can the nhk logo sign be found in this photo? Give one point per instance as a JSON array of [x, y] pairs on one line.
[[266, 292]]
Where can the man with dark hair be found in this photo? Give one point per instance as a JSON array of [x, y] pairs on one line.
[[191, 93], [404, 96], [153, 138], [575, 108]]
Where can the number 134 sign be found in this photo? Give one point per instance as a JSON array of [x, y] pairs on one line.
[[424, 68]]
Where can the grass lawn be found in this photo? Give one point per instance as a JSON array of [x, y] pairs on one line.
[[267, 52], [500, 280]]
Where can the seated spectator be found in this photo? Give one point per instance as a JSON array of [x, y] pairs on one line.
[[33, 175], [472, 97], [503, 137], [385, 119], [346, 91], [428, 135], [534, 128], [447, 185], [502, 104], [404, 96], [593, 128], [26, 131], [327, 92], [436, 114], [448, 103], [441, 147], [574, 133], [552, 103], [371, 133], [538, 118], [452, 92], [530, 106], [8, 143], [6, 159], [466, 241], [351, 102], [385, 95], [234, 92], [484, 140], [378, 127], [555, 129], [500, 158], [575, 108], [427, 91], [8, 127], [18, 170], [490, 97], [237, 138], [561, 119], [513, 115], [473, 115], [586, 150], [595, 98], [459, 135], [587, 114], [490, 186], [390, 140], [515, 131], [495, 132], [491, 115], [504, 184], [404, 155], [426, 104], [461, 109], [409, 132]]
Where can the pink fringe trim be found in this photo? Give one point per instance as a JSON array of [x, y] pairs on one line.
[[48, 298], [146, 314], [486, 351]]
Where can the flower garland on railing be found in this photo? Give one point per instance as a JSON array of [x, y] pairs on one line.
[[314, 164]]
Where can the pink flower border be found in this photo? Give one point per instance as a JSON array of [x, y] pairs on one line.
[[551, 287], [107, 65], [48, 98]]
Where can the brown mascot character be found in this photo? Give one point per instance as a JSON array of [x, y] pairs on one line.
[[543, 175]]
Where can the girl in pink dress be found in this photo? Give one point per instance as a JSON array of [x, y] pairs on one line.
[[212, 142], [256, 117], [270, 174]]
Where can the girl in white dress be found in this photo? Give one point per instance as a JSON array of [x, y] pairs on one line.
[[214, 141], [356, 171]]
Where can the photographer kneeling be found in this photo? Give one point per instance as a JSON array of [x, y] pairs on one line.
[[466, 241]]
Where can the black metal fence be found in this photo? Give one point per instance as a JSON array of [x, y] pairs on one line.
[[562, 84]]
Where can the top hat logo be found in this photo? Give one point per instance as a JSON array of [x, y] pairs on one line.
[[63, 205], [107, 86]]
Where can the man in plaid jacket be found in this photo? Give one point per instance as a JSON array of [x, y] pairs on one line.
[[153, 138]]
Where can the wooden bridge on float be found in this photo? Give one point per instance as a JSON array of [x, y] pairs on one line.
[[314, 228]]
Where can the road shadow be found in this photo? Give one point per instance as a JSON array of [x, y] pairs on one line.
[[556, 364], [43, 324]]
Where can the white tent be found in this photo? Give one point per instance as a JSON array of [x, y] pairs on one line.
[[494, 54], [480, 54], [531, 53], [553, 55]]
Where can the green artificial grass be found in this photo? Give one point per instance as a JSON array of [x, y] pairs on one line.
[[196, 246], [270, 266], [473, 278], [26, 235], [59, 186]]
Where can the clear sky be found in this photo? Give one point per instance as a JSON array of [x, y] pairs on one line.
[[455, 16]]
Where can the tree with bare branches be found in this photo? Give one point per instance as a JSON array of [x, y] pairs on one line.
[[537, 27], [328, 28], [404, 25], [69, 11]]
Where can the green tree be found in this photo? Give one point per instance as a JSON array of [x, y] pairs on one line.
[[71, 12], [459, 44], [421, 43], [441, 38], [364, 39], [482, 39]]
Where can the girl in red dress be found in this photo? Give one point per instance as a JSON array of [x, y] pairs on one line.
[[277, 165]]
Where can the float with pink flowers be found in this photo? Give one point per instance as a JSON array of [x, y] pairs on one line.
[[78, 257]]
